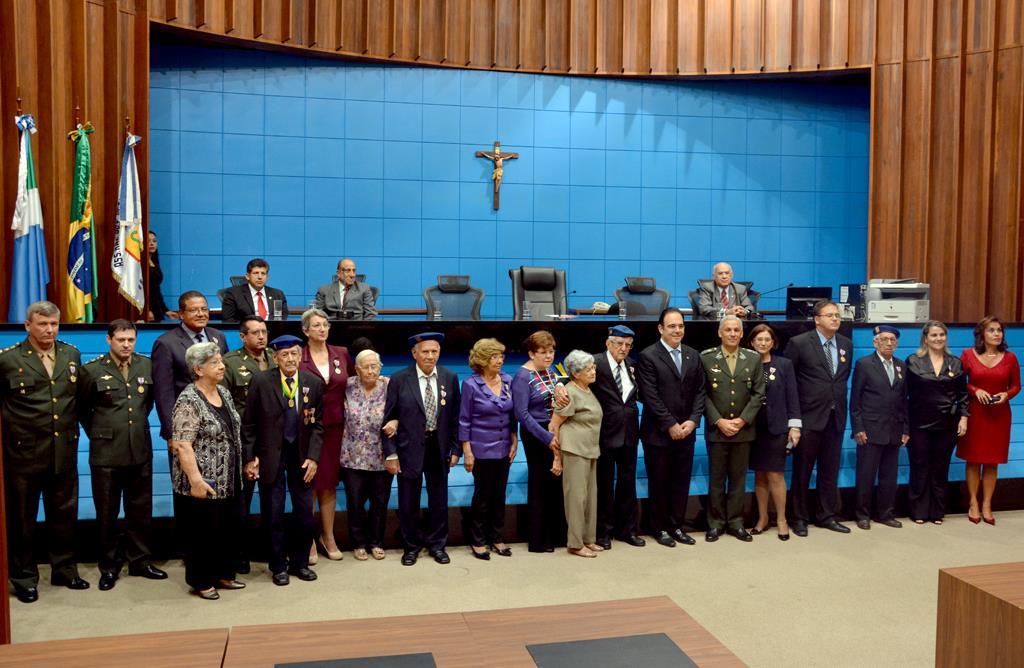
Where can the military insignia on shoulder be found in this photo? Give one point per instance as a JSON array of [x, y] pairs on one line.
[[95, 359], [65, 343], [708, 351]]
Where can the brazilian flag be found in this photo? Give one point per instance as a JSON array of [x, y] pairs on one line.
[[81, 288]]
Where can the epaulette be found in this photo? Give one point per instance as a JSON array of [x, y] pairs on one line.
[[96, 359], [709, 350], [11, 347], [65, 343], [145, 357]]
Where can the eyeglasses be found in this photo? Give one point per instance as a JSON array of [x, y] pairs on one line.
[[622, 344], [890, 340], [197, 310]]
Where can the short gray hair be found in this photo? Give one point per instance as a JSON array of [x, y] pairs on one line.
[[199, 354], [729, 318], [577, 361], [309, 315], [363, 354], [43, 308]]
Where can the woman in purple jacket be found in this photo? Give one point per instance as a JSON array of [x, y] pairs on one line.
[[487, 430]]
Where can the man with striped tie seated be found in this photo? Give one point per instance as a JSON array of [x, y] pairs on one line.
[[721, 296]]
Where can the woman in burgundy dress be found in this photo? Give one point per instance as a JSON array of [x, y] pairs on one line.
[[333, 365], [993, 378]]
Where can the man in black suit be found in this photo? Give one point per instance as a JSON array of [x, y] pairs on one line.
[[615, 390], [282, 433], [878, 414], [671, 381], [170, 372], [821, 360], [421, 416], [255, 297]]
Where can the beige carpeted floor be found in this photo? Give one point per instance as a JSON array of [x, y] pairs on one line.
[[868, 598]]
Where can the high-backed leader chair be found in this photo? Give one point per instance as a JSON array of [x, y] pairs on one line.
[[542, 287], [453, 299], [642, 296], [361, 278]]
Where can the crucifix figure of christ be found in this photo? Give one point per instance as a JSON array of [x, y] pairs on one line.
[[498, 158]]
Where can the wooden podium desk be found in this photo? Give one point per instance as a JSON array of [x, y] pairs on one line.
[[175, 649], [981, 616]]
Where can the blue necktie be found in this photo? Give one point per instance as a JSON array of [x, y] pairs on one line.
[[677, 357]]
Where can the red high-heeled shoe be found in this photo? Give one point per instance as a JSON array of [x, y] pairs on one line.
[[974, 520], [990, 520]]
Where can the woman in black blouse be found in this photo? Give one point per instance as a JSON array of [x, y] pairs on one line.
[[938, 416]]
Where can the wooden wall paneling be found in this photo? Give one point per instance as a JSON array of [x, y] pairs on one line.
[[406, 29], [862, 32], [1011, 23], [979, 23], [229, 16], [506, 34], [834, 37], [311, 24], [96, 110], [457, 31], [718, 52], [636, 37], [609, 36], [1004, 255], [431, 31], [557, 26], [532, 39], [748, 31], [947, 27], [139, 102], [889, 31], [919, 31], [353, 22], [914, 173], [690, 42], [807, 35], [379, 17], [664, 36], [10, 91], [258, 22], [943, 230], [481, 31], [778, 35], [972, 267], [583, 36], [886, 135]]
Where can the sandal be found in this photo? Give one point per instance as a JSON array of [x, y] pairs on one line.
[[360, 554], [378, 553], [582, 552]]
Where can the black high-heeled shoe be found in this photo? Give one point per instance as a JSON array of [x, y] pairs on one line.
[[503, 552], [483, 556], [783, 536], [757, 532]]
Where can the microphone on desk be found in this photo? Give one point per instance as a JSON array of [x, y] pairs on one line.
[[781, 287]]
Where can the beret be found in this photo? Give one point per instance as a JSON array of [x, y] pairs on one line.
[[621, 330], [887, 329], [426, 336], [285, 341]]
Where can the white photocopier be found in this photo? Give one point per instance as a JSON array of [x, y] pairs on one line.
[[896, 300]]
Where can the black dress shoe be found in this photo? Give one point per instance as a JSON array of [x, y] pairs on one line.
[[107, 581], [74, 583], [149, 571], [740, 533], [800, 529], [441, 557], [634, 540], [281, 579], [409, 557], [832, 525], [892, 522], [664, 539], [483, 556], [606, 543], [243, 567], [712, 535], [683, 537], [864, 524], [26, 594], [304, 574], [503, 552]]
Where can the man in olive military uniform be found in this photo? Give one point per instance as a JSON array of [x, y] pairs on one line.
[[735, 391], [40, 440], [240, 367], [115, 399]]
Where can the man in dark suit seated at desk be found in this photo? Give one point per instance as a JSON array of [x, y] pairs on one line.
[[721, 296], [346, 298], [255, 297], [421, 415]]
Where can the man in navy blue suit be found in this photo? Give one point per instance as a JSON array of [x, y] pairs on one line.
[[421, 416]]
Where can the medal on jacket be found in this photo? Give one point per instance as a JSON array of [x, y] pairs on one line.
[[337, 367], [951, 374], [842, 356], [771, 373], [142, 383], [73, 370], [305, 394], [443, 395], [289, 393]]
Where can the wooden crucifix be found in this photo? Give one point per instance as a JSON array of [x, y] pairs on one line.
[[498, 158]]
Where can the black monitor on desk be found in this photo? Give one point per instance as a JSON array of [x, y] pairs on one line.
[[800, 301]]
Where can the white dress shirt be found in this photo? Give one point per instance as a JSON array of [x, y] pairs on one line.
[[627, 383]]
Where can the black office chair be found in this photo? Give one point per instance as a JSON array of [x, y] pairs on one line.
[[642, 296], [753, 294], [543, 287], [237, 281], [361, 278], [453, 298]]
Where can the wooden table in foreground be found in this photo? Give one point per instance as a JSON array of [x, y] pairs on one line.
[[176, 649], [493, 638], [981, 616]]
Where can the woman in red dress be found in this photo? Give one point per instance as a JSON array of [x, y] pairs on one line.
[[333, 365], [993, 378]]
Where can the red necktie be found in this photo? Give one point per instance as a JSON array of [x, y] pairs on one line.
[[725, 298], [261, 307]]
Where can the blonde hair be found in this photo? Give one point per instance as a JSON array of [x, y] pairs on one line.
[[482, 352]]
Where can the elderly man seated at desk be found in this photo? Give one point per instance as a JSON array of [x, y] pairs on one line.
[[720, 296], [345, 297]]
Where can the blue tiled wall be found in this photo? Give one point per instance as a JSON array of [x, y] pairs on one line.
[[303, 161], [92, 344]]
